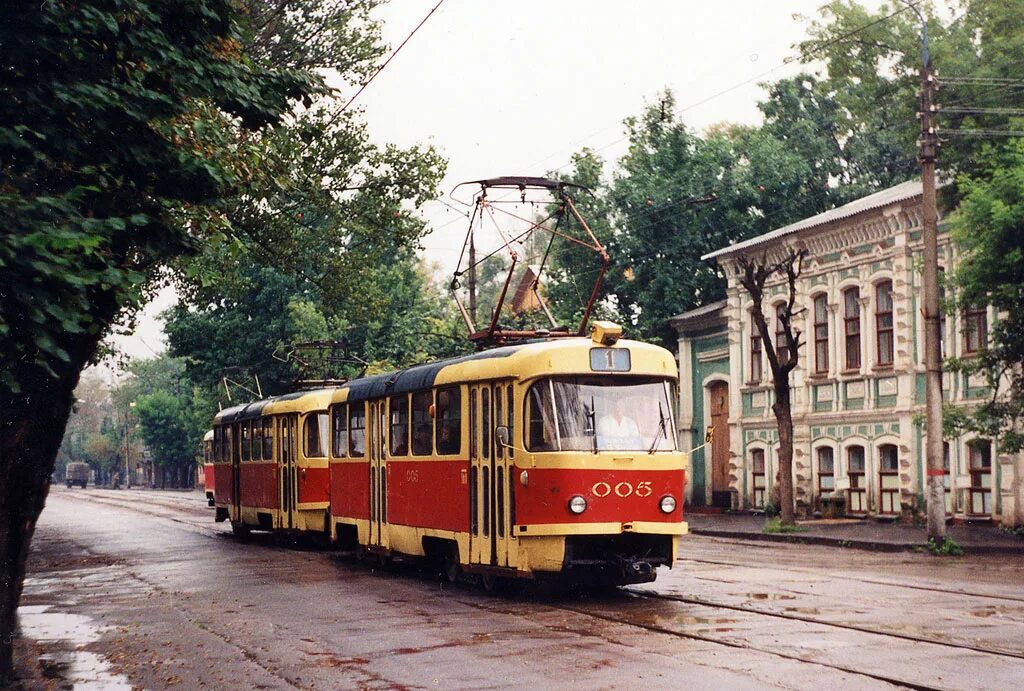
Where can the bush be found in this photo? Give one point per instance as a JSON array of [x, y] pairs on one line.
[[775, 525], [948, 548]]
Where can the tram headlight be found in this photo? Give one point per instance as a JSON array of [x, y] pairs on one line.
[[668, 503], [577, 504]]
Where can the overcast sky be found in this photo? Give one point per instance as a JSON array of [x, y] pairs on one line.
[[514, 88]]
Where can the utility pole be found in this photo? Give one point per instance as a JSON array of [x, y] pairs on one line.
[[472, 275], [927, 154]]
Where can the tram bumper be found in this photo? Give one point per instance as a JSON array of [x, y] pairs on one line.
[[617, 559]]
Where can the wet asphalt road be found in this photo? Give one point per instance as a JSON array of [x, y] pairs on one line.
[[141, 589]]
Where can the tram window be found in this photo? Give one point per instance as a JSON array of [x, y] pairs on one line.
[[600, 414], [472, 423], [216, 444], [357, 431], [485, 422], [315, 435], [244, 430], [255, 442], [448, 421], [399, 406], [339, 425], [510, 423], [499, 451], [422, 432], [229, 447], [268, 439]]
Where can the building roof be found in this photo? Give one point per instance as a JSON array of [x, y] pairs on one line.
[[892, 195], [700, 318]]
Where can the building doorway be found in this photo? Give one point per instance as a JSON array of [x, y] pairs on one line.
[[718, 396]]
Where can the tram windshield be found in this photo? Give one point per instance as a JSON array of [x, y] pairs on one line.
[[600, 414]]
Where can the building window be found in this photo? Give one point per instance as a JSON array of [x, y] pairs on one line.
[[945, 477], [821, 334], [826, 470], [422, 425], [883, 322], [755, 353], [757, 469], [975, 329], [942, 313], [981, 477], [889, 478], [857, 502], [781, 342], [851, 322]]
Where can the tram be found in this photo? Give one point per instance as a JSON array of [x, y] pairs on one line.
[[548, 458], [208, 481]]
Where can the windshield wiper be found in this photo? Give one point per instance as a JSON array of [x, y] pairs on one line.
[[661, 429], [593, 424]]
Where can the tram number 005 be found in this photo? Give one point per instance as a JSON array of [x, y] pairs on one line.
[[622, 489]]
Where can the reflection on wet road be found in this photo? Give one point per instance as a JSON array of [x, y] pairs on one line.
[[163, 597]]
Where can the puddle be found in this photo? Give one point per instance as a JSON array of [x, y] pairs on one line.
[[69, 669], [42, 625], [79, 669], [770, 596]]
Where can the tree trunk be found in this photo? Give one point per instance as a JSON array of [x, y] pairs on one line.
[[784, 420], [31, 429]]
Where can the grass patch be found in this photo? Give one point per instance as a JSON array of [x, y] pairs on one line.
[[948, 548], [775, 525]]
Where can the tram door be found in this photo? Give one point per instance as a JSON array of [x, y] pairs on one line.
[[286, 471], [236, 473], [489, 486], [377, 432]]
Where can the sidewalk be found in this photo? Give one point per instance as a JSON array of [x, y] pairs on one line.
[[867, 534]]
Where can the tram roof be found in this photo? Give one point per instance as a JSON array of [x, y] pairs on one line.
[[416, 378]]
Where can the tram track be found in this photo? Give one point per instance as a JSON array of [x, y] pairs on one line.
[[825, 622], [856, 579], [689, 635]]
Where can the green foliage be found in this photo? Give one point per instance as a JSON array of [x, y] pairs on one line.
[[948, 548], [663, 224], [989, 227], [172, 425], [120, 125], [253, 320], [774, 525]]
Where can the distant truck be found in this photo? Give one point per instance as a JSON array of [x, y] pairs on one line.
[[77, 473]]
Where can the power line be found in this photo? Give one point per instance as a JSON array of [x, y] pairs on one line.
[[390, 58]]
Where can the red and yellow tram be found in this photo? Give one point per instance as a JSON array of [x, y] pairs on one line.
[[208, 470], [556, 457]]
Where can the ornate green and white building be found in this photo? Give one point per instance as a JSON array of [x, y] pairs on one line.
[[859, 387]]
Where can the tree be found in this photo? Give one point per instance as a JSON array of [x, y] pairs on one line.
[[172, 425], [679, 196], [989, 228], [783, 353], [121, 123]]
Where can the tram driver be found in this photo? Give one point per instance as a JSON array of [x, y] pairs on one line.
[[619, 431]]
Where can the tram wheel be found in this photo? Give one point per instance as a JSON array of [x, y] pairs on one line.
[[450, 568], [240, 530], [495, 585]]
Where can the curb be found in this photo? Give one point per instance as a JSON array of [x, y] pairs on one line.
[[866, 545]]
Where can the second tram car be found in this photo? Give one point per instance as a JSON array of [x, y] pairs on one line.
[[208, 470], [548, 458]]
